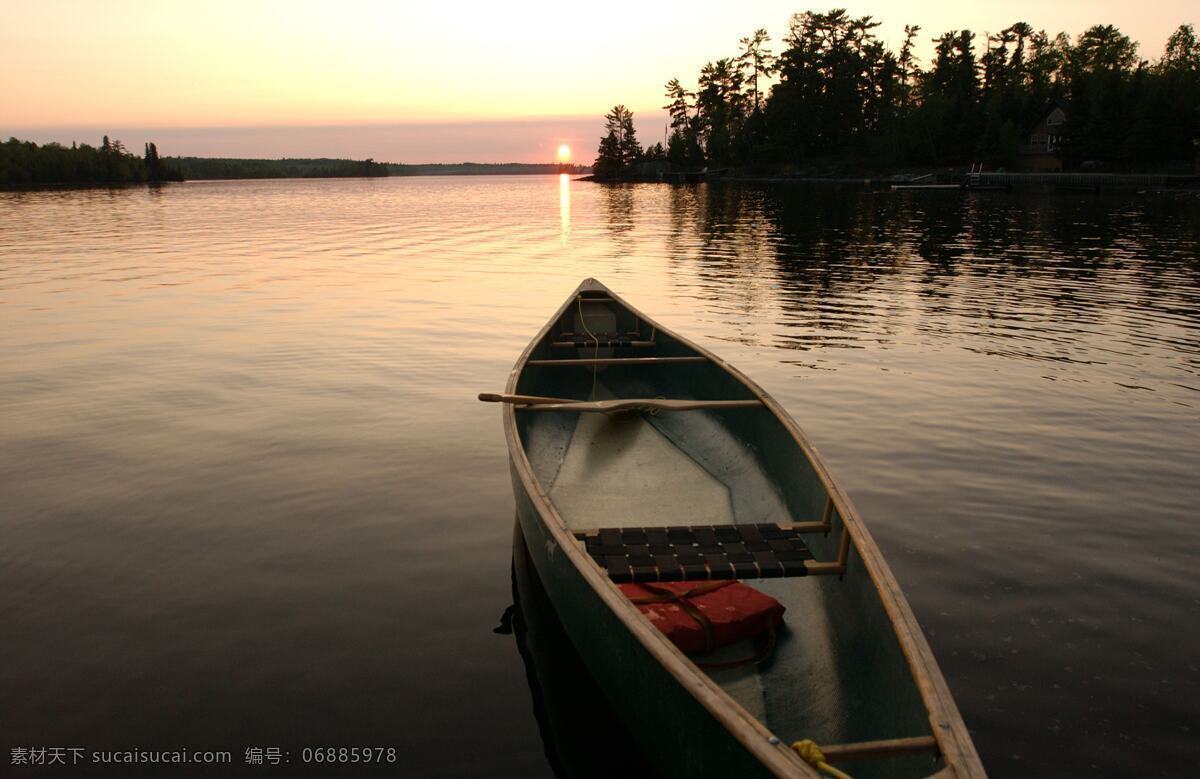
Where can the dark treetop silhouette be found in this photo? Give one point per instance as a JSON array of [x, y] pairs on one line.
[[844, 101], [23, 163]]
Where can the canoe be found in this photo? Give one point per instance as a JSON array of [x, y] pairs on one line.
[[620, 431]]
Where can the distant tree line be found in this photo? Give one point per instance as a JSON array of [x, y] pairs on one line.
[[481, 168], [230, 168], [24, 163], [322, 167], [843, 99]]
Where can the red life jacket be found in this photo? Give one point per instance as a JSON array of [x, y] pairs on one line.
[[701, 616]]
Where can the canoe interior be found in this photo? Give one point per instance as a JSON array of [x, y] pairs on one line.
[[838, 674]]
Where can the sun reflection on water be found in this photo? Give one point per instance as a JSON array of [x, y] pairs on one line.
[[564, 208]]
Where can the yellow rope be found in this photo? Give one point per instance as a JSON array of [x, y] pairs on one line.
[[596, 354], [811, 753]]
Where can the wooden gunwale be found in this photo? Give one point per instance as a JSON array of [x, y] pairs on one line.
[[947, 726], [799, 527]]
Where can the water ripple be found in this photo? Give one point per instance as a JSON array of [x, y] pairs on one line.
[[239, 443]]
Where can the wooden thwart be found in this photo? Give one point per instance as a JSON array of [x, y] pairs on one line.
[[824, 526], [539, 403], [603, 344], [871, 750], [621, 361]]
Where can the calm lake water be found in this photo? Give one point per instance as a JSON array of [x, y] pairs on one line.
[[248, 498]]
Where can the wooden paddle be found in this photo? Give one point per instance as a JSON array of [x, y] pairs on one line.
[[527, 400], [538, 403]]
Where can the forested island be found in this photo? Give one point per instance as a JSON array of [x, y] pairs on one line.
[[845, 103]]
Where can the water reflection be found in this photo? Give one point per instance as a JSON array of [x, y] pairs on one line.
[[237, 427], [850, 267], [564, 208], [618, 200], [582, 735]]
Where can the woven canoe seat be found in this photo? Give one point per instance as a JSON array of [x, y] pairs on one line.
[[697, 553]]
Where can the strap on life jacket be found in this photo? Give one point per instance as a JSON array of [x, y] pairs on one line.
[[666, 595]]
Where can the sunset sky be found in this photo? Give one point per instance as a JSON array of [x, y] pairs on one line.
[[416, 82]]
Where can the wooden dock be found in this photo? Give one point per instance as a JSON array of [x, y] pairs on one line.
[[1094, 181]]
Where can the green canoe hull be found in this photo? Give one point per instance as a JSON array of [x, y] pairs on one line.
[[673, 729]]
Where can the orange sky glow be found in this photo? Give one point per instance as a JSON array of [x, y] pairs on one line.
[[406, 82]]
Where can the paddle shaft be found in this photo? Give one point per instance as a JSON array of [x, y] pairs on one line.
[[525, 400]]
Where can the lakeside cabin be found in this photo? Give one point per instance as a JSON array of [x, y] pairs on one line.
[[1041, 152]]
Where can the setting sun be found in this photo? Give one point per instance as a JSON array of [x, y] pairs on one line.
[[564, 153]]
